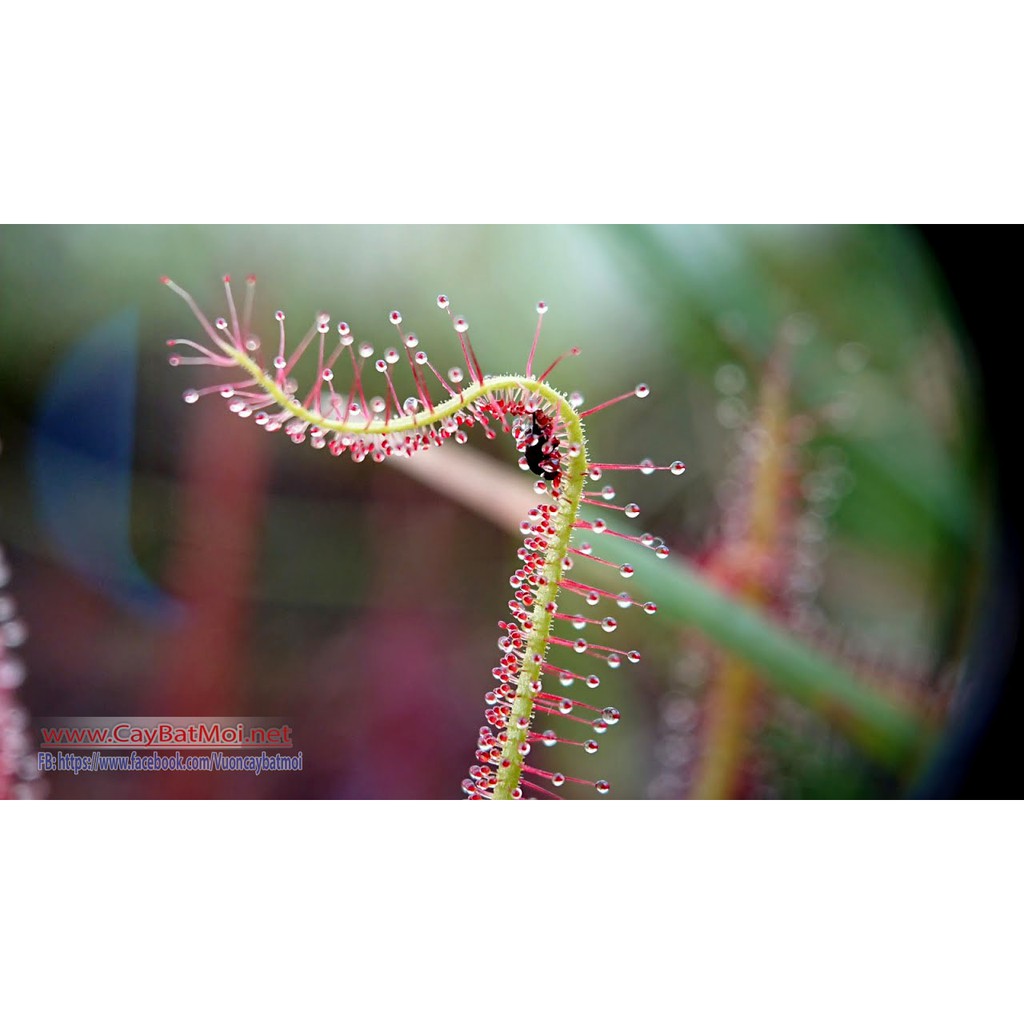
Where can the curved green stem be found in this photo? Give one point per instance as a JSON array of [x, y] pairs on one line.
[[398, 424], [541, 623], [571, 493]]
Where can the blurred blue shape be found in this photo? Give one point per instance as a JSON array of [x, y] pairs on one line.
[[82, 464]]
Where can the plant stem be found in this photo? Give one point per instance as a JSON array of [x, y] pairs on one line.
[[540, 630], [538, 636], [734, 688]]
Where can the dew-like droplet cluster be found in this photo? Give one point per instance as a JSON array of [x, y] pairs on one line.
[[19, 771], [547, 431], [533, 610]]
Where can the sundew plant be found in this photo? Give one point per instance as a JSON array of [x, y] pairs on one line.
[[541, 663], [807, 596]]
